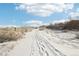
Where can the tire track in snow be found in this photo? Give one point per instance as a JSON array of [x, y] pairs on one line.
[[66, 41], [43, 46], [50, 46]]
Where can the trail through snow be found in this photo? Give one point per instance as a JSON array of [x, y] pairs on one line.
[[44, 43]]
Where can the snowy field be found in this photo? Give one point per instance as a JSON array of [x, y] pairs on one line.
[[43, 43]]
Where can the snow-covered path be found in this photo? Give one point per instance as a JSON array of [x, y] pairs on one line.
[[35, 44], [42, 45], [45, 43]]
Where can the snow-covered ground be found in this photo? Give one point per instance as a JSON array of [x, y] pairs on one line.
[[43, 43]]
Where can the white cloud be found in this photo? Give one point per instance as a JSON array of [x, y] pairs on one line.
[[45, 9], [34, 23], [21, 6], [60, 21], [4, 26], [74, 14]]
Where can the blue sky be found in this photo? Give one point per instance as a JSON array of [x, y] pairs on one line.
[[19, 14]]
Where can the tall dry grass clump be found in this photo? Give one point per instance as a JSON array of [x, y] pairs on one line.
[[11, 34]]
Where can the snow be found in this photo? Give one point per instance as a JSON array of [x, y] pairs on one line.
[[43, 43]]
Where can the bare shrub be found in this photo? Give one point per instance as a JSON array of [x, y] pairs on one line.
[[11, 34]]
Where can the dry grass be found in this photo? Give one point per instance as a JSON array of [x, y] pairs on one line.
[[11, 34]]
